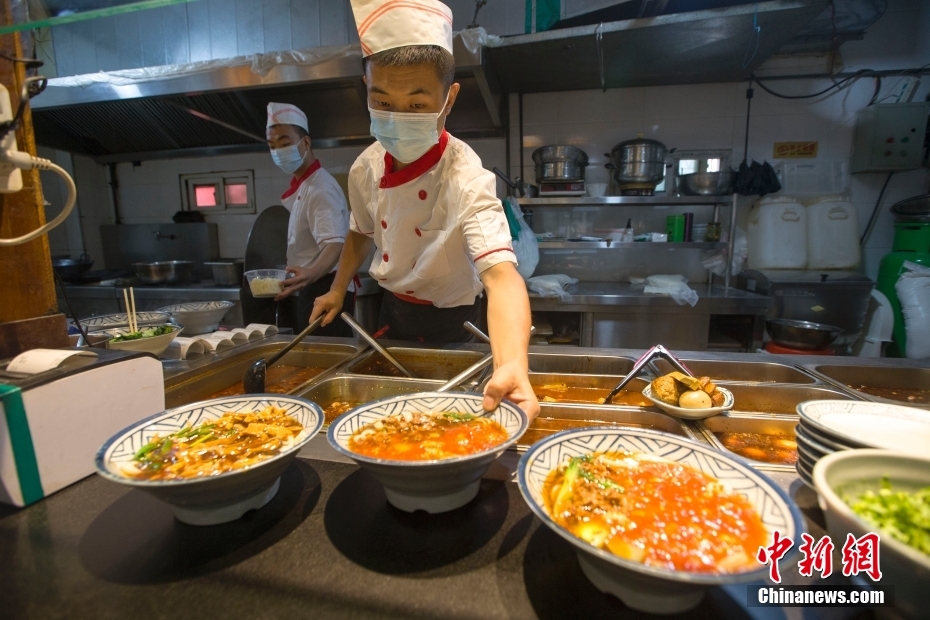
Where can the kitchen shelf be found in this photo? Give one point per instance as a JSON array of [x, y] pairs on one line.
[[624, 201], [636, 245]]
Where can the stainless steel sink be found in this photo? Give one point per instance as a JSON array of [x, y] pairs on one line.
[[883, 384], [359, 390], [555, 418], [424, 363], [213, 377], [779, 399], [737, 423], [580, 364], [746, 372]]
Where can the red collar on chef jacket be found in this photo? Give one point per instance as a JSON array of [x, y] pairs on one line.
[[295, 183], [418, 168]]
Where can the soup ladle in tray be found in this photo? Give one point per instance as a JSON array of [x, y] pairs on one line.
[[254, 381], [376, 345], [642, 362]]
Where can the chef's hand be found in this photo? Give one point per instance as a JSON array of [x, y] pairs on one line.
[[510, 381], [301, 278], [329, 304]]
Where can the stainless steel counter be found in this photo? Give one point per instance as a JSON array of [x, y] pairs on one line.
[[623, 315]]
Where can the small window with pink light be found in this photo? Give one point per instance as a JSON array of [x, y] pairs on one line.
[[219, 193]]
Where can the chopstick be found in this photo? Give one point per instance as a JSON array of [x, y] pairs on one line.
[[130, 310]]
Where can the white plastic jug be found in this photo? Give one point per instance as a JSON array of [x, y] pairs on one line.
[[832, 234], [778, 234]]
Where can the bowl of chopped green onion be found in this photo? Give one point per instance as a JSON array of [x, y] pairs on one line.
[[152, 339], [888, 493]]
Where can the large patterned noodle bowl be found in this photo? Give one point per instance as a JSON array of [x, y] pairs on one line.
[[647, 588], [436, 485], [211, 499]]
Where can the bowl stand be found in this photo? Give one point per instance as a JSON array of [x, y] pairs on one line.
[[229, 512], [433, 504], [639, 592]]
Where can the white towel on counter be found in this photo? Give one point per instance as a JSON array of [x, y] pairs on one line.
[[675, 286], [552, 285]]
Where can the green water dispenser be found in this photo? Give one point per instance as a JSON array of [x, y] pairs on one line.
[[911, 243]]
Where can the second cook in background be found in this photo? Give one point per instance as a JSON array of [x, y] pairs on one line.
[[423, 199], [319, 216]]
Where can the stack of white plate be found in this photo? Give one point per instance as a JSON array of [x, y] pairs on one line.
[[831, 425]]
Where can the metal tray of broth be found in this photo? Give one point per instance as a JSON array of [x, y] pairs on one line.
[[587, 390], [309, 361], [880, 384], [768, 400], [554, 418], [742, 372], [357, 390], [424, 363], [774, 428], [574, 364]]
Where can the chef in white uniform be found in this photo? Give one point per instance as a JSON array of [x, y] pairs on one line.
[[319, 216], [422, 199]]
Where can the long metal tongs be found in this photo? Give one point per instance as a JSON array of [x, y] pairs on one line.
[[642, 362], [483, 364]]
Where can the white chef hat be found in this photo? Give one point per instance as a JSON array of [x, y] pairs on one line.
[[386, 24], [286, 114]]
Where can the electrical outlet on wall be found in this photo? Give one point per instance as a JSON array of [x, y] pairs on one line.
[[11, 178]]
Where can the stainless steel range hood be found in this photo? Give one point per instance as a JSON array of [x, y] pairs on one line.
[[142, 120]]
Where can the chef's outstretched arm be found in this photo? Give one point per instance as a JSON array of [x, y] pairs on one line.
[[509, 329], [354, 252]]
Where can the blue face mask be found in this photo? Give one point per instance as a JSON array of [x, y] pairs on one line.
[[288, 158], [406, 135]]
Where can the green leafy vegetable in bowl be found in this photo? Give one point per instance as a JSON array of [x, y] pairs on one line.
[[903, 515], [147, 332]]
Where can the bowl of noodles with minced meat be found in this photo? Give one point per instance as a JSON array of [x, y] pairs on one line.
[[429, 449], [655, 518], [212, 460]]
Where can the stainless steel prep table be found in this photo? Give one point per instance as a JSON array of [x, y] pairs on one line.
[[616, 314]]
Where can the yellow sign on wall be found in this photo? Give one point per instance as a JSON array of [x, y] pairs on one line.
[[794, 150]]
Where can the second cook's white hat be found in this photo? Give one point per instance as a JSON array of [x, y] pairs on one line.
[[286, 114], [386, 24]]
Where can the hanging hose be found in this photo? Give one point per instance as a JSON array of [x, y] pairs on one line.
[[26, 162]]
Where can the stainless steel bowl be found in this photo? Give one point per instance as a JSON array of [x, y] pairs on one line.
[[226, 273], [164, 272], [650, 172], [706, 183], [72, 269], [802, 334], [97, 340]]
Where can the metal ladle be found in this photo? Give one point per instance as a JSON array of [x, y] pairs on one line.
[[254, 381], [376, 345], [642, 362]]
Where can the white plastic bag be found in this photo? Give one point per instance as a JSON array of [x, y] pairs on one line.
[[675, 286], [551, 286], [716, 261], [913, 288], [526, 247]]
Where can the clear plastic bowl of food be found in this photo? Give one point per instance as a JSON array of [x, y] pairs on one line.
[[266, 282]]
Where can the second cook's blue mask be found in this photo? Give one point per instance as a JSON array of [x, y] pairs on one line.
[[406, 135], [287, 158]]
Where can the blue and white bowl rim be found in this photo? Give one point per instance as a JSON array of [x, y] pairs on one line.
[[100, 458], [217, 304], [124, 329], [334, 425], [760, 573]]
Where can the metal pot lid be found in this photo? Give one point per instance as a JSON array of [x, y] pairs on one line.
[[552, 153], [638, 141], [915, 207]]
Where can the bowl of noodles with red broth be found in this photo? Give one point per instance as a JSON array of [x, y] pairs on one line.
[[655, 518], [212, 460], [430, 449]]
